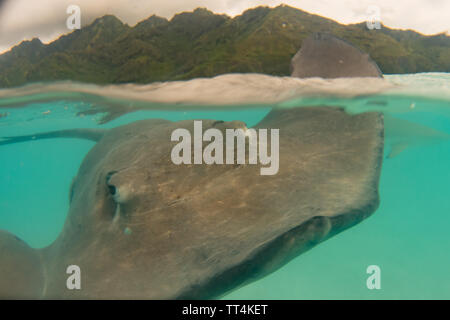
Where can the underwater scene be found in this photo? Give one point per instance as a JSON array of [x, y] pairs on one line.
[[230, 158], [406, 236]]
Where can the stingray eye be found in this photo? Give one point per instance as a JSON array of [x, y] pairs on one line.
[[117, 187], [111, 187], [112, 190]]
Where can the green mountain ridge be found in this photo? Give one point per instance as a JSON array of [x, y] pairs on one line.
[[204, 44]]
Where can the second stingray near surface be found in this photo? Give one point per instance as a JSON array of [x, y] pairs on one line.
[[140, 226]]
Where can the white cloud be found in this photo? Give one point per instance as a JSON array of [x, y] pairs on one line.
[[25, 19]]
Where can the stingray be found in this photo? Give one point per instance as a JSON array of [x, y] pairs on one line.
[[327, 56], [141, 227], [403, 134]]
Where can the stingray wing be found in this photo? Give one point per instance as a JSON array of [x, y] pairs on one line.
[[328, 178], [200, 231]]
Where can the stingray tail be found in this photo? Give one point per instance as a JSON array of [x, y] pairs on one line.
[[87, 134]]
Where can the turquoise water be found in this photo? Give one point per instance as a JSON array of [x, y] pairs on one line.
[[408, 237]]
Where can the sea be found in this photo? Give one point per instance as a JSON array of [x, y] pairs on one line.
[[407, 238]]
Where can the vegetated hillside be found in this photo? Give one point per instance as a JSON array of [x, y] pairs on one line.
[[203, 44]]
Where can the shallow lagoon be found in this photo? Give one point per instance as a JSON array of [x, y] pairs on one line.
[[408, 236]]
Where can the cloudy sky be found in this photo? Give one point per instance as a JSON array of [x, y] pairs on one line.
[[46, 19]]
